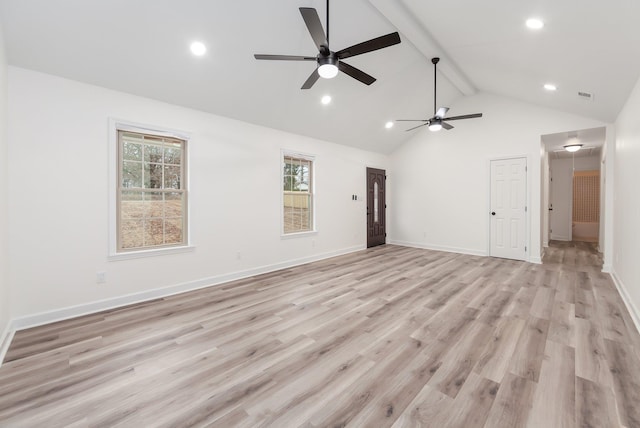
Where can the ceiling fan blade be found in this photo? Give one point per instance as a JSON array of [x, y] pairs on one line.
[[416, 127], [465, 116], [313, 78], [446, 126], [286, 57], [441, 112], [412, 120], [356, 73], [312, 20], [370, 45]]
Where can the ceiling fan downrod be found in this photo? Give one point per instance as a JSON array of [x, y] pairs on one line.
[[434, 61]]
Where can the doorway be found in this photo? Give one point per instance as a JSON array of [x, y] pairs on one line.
[[376, 207], [508, 224]]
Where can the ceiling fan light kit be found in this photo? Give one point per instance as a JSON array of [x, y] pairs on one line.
[[435, 125], [328, 68], [329, 63]]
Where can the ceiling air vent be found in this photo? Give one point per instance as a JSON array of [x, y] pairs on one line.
[[588, 96]]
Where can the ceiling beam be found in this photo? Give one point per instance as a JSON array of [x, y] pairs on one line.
[[401, 18]]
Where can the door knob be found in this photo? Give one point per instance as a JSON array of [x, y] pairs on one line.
[[493, 213]]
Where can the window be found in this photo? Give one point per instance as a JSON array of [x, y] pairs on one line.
[[297, 209], [151, 194]]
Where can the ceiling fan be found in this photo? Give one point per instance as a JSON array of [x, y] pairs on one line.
[[437, 122], [328, 61]]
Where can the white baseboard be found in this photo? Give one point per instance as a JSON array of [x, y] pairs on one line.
[[115, 302], [439, 248], [631, 307], [607, 268], [559, 238], [535, 260]]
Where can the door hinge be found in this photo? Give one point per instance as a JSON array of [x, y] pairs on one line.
[[385, 234], [525, 169], [525, 209], [525, 248]]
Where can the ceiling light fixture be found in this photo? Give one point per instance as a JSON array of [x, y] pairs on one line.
[[435, 125], [388, 125], [326, 99], [198, 48], [550, 87], [573, 147], [534, 23], [328, 67]]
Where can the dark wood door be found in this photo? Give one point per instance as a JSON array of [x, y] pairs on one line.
[[376, 205]]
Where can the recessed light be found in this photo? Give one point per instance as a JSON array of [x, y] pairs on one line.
[[534, 23], [388, 125], [550, 87], [198, 48], [326, 99]]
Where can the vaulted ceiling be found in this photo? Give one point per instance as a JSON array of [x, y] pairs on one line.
[[142, 47]]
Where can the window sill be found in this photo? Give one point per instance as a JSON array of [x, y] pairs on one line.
[[298, 234], [151, 253]]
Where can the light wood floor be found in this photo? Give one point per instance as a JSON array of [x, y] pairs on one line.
[[389, 336]]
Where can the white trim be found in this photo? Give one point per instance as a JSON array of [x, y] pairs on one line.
[[116, 125], [294, 235], [115, 302], [606, 268], [5, 340], [559, 238], [438, 248], [633, 310], [535, 260], [151, 253]]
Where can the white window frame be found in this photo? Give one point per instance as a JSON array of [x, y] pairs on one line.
[[116, 125], [312, 190]]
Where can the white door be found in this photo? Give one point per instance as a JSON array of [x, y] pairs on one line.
[[508, 208]]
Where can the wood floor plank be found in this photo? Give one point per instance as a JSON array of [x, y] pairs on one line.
[[562, 326], [496, 355], [595, 406], [529, 353], [472, 405], [428, 406], [591, 360], [554, 397], [623, 365], [388, 336], [513, 403]]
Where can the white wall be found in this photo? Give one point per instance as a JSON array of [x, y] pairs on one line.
[[562, 192], [4, 201], [626, 245], [58, 196], [441, 180]]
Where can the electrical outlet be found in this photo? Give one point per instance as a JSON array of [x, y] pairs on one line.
[[101, 278]]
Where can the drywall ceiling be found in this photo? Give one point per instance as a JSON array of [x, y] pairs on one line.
[[141, 47]]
